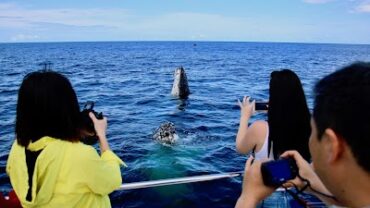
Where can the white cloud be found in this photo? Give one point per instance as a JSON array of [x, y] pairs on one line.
[[117, 24], [12, 15], [4, 6], [20, 23], [317, 1], [24, 38], [363, 8]]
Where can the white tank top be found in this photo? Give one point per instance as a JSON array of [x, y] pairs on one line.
[[263, 152]]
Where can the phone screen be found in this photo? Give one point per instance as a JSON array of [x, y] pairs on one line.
[[280, 169]]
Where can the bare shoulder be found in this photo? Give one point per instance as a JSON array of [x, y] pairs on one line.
[[259, 126]]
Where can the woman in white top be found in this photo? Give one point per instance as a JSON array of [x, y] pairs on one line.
[[287, 128], [288, 120]]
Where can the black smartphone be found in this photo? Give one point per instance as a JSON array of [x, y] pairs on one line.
[[262, 106], [277, 172]]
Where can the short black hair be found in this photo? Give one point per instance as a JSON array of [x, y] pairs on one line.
[[47, 106], [342, 103], [288, 115]]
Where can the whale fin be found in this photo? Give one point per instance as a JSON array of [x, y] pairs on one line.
[[180, 87]]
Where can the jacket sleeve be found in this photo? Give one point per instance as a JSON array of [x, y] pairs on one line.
[[102, 174]]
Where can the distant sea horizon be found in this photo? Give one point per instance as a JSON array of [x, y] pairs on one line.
[[200, 41]]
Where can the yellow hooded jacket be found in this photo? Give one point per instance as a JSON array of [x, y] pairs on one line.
[[66, 174]]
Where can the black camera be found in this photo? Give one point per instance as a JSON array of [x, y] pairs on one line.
[[277, 172], [89, 133]]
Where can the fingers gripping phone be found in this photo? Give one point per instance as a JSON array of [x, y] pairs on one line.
[[277, 172], [259, 105]]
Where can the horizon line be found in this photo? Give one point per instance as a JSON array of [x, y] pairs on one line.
[[194, 41]]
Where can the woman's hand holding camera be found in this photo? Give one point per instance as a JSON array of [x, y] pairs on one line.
[[100, 126]]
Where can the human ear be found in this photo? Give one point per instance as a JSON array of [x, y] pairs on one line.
[[334, 145]]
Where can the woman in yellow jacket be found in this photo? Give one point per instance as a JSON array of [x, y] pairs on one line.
[[48, 166]]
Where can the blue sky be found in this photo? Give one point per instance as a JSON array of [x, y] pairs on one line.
[[318, 21]]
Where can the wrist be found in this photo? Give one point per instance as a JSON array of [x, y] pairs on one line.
[[104, 145], [246, 201], [315, 185], [101, 136], [244, 118]]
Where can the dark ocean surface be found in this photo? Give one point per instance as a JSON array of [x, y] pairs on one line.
[[131, 84]]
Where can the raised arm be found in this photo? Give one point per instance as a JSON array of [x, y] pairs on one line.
[[102, 174], [249, 137], [100, 129]]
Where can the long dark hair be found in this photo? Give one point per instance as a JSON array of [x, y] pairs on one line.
[[47, 106], [288, 115]]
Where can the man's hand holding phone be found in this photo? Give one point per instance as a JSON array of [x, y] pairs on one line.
[[262, 178], [306, 172], [254, 189]]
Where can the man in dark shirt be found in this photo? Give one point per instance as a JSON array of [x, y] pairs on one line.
[[339, 144]]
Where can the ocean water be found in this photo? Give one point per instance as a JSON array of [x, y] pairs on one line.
[[131, 84]]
